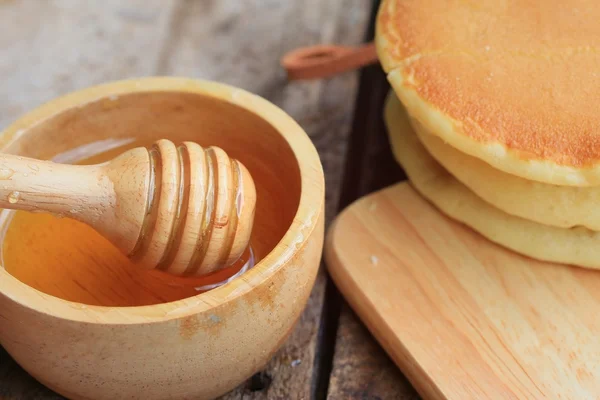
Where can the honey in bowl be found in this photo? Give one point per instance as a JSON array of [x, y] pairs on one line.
[[70, 260]]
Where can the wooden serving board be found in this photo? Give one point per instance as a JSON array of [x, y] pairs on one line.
[[462, 317]]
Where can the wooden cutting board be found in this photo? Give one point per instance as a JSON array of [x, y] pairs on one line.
[[462, 317]]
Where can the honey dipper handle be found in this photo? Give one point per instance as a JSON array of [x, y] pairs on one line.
[[44, 186], [93, 194], [324, 61]]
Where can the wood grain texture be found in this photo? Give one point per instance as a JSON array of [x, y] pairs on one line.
[[241, 44], [53, 47], [463, 317], [227, 41], [360, 367]]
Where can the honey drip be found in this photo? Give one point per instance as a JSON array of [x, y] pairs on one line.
[[68, 259]]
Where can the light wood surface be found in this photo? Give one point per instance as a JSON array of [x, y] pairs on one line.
[[462, 317], [230, 41]]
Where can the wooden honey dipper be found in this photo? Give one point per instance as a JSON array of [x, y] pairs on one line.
[[186, 210]]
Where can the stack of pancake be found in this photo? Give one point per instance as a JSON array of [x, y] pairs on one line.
[[495, 117]]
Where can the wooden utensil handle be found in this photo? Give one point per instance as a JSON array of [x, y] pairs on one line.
[[324, 61], [60, 189]]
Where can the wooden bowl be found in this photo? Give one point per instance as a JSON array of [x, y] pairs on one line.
[[201, 346]]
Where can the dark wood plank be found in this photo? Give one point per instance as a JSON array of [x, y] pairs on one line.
[[360, 367], [16, 384]]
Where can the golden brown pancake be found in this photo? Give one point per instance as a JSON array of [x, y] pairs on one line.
[[562, 206], [515, 83], [576, 246]]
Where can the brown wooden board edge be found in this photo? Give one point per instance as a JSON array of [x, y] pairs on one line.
[[359, 303]]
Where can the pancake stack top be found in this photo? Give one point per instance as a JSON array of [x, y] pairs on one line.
[[503, 96]]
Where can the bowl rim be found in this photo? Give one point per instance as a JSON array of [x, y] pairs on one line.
[[310, 205]]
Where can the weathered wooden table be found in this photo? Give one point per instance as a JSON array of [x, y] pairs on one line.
[[48, 48]]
